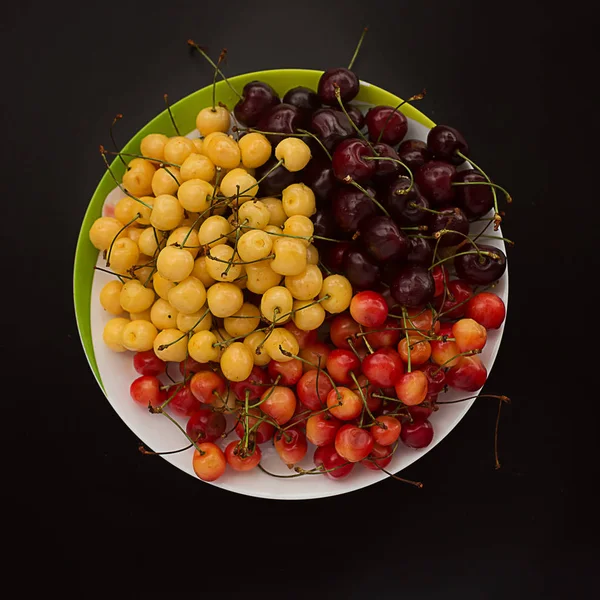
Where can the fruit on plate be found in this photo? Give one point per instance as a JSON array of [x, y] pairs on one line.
[[311, 270]]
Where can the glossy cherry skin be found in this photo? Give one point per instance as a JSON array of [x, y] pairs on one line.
[[468, 375], [481, 270], [487, 309], [475, 200], [350, 206], [258, 99], [369, 308], [303, 98], [189, 366], [184, 403], [343, 329], [340, 364], [282, 118], [289, 372], [313, 389], [444, 142], [380, 457], [349, 161], [290, 445], [146, 390], [304, 338], [413, 153], [318, 176], [385, 170], [321, 429], [383, 368], [242, 460], [420, 251], [441, 278], [331, 127], [455, 301], [413, 286], [435, 180], [207, 386], [417, 434], [399, 202], [386, 336], [356, 115], [341, 78], [323, 223], [452, 219], [388, 120], [353, 443], [254, 385], [383, 239], [361, 271], [436, 377], [276, 181], [331, 462], [147, 363], [263, 433], [334, 254], [206, 425]]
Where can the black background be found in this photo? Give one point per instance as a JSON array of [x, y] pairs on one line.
[[88, 512]]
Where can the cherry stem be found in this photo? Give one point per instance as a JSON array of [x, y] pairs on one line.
[[496, 237], [150, 453], [419, 96], [360, 41], [322, 266], [352, 347], [408, 349], [117, 275], [396, 160], [300, 471], [269, 393], [133, 155], [193, 44], [366, 340], [415, 483], [238, 262], [497, 461], [467, 353], [166, 96], [362, 395], [118, 117], [214, 90], [338, 96], [492, 255], [351, 181], [137, 216], [423, 208], [501, 398], [314, 137], [103, 153], [289, 354], [275, 166]]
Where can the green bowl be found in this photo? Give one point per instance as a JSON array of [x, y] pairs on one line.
[[185, 112]]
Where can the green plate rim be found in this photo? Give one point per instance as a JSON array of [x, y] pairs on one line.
[[184, 112]]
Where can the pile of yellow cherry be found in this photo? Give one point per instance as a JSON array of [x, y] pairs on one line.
[[189, 235]]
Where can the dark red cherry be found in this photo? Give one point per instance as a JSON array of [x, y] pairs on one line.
[[334, 254], [385, 170], [414, 154], [435, 180], [390, 269], [356, 115], [413, 286], [323, 223], [257, 99], [436, 377], [452, 219], [481, 269], [383, 239], [303, 98], [350, 206], [420, 251], [417, 434], [349, 161], [318, 176], [454, 302], [205, 425], [444, 142], [386, 119], [254, 385], [344, 79], [276, 181], [475, 200], [402, 205], [362, 272], [331, 127], [282, 118]]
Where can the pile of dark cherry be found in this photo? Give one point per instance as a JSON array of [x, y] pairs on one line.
[[391, 254]]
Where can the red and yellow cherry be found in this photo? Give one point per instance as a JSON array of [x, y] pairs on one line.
[[440, 279], [369, 308], [261, 434], [417, 434], [321, 429], [353, 443], [316, 354], [343, 330], [145, 390], [436, 378], [419, 322], [386, 431], [253, 385], [184, 403], [210, 463], [313, 389], [469, 335], [279, 403], [189, 366], [333, 465], [240, 459], [469, 374], [411, 388], [444, 353], [304, 338], [487, 309], [386, 124], [206, 425], [207, 386], [351, 159], [387, 336], [290, 445], [289, 372], [147, 363], [455, 303], [383, 368], [380, 457], [344, 404], [420, 350], [369, 391], [340, 363]]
